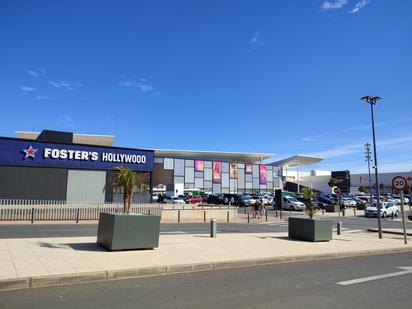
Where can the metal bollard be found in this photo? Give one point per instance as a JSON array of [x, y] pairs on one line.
[[32, 215], [266, 214], [204, 216], [323, 211], [213, 228], [248, 218], [339, 228], [178, 216], [227, 217], [77, 215]]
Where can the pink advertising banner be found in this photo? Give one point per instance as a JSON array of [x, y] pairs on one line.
[[217, 172], [199, 166], [262, 175]]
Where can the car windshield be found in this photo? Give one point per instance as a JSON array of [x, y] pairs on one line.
[[292, 199]]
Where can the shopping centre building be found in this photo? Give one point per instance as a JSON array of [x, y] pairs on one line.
[[63, 166]]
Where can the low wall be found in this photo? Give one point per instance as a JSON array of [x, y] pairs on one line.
[[205, 214]]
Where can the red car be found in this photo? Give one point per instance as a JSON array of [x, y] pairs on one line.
[[193, 200]]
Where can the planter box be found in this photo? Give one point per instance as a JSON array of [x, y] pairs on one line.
[[310, 229], [332, 208], [124, 232]]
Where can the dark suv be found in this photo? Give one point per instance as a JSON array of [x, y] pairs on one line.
[[214, 199], [227, 197]]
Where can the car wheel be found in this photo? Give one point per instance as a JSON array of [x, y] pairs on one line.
[[397, 213], [384, 215], [291, 208]]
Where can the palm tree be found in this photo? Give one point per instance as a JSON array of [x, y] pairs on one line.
[[382, 187], [362, 189], [308, 195], [128, 180], [332, 182]]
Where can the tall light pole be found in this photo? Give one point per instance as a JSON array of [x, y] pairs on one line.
[[368, 159], [372, 102]]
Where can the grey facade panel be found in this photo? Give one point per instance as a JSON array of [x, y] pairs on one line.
[[225, 167], [208, 164], [33, 183], [217, 188], [179, 167], [255, 183], [248, 177], [225, 180], [208, 174], [255, 170], [86, 186], [198, 174], [199, 183], [241, 179], [189, 175], [189, 163]]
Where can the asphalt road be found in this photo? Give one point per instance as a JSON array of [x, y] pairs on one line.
[[78, 230], [295, 285]]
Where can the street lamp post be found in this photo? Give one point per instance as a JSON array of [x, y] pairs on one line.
[[372, 101], [368, 159]]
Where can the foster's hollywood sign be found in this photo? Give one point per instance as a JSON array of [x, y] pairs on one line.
[[16, 152]]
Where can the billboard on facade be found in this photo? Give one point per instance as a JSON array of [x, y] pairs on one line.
[[217, 172], [262, 175], [248, 169], [199, 166], [233, 171]]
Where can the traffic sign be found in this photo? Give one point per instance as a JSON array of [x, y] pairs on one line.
[[336, 190], [399, 183]]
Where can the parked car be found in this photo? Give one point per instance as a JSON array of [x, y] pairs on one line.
[[348, 202], [326, 200], [291, 203], [410, 216], [173, 200], [227, 197], [215, 199], [315, 203], [387, 209], [263, 199], [247, 200], [194, 199]]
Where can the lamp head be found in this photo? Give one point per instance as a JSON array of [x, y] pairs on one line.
[[377, 98], [366, 98]]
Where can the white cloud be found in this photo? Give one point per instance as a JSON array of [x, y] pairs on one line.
[[141, 83], [333, 4], [358, 6], [67, 122], [32, 73], [61, 84], [27, 88], [404, 141], [256, 39], [42, 97]]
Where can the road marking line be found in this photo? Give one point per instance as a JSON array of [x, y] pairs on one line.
[[407, 270]]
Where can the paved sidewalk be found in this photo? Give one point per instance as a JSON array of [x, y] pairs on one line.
[[52, 261]]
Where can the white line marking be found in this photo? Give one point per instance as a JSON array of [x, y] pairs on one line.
[[407, 270], [173, 232]]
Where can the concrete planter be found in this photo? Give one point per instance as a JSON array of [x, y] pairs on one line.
[[310, 229], [332, 208], [124, 232]]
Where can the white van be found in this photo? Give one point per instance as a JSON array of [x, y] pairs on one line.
[[291, 203]]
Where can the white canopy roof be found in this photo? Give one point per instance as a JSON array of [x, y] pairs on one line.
[[296, 161], [245, 157]]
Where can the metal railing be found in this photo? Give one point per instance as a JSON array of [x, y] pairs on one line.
[[27, 210]]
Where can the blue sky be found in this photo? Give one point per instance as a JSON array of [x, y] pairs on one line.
[[282, 77]]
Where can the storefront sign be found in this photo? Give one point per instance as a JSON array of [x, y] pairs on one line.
[[19, 152]]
